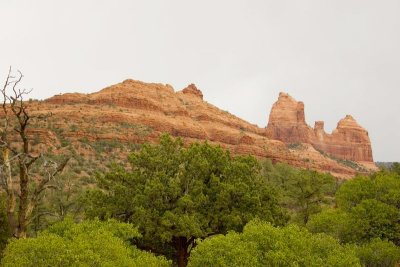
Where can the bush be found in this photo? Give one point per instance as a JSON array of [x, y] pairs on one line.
[[91, 243], [334, 222], [261, 244], [379, 253]]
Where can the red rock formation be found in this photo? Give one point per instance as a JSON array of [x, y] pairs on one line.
[[348, 141], [287, 122], [134, 112], [192, 89]]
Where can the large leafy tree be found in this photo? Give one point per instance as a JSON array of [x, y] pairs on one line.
[[177, 195], [261, 244], [90, 243], [382, 186], [367, 208]]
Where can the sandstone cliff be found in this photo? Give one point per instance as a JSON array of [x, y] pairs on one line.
[[287, 121], [134, 112], [349, 141]]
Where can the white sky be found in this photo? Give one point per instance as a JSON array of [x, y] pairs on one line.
[[339, 57]]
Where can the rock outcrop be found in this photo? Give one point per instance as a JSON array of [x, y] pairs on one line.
[[349, 141], [287, 121], [133, 112], [192, 89]]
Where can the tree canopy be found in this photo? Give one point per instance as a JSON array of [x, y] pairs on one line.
[[378, 253], [90, 243], [302, 192], [367, 208], [176, 194], [262, 244]]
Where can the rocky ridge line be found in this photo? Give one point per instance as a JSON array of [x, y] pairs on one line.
[[134, 112]]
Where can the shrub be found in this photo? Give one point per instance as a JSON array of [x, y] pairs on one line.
[[261, 244], [90, 243]]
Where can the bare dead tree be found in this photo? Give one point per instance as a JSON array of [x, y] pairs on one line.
[[15, 148]]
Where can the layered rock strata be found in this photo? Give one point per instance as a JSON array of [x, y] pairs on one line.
[[349, 141], [134, 112]]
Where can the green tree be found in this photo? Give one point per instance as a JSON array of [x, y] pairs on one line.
[[177, 195], [261, 244], [379, 253], [352, 192], [367, 212], [395, 167], [374, 219], [373, 207], [303, 192], [90, 243], [333, 222], [369, 219], [382, 186]]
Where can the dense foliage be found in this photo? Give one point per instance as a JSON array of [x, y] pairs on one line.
[[91, 243], [200, 206], [261, 244], [378, 253], [302, 192], [367, 214], [367, 208], [176, 194]]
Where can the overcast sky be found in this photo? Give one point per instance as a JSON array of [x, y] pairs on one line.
[[339, 57]]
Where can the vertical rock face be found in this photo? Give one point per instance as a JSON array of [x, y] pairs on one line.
[[287, 122], [351, 141], [348, 141]]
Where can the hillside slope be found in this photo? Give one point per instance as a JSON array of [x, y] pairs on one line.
[[118, 118]]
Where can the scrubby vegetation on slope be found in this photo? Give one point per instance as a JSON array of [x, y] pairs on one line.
[[201, 206]]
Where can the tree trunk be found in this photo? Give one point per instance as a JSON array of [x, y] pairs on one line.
[[23, 182], [181, 248], [11, 200], [12, 222], [307, 212], [23, 201]]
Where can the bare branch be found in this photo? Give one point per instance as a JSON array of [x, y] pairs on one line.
[[16, 119], [4, 105], [7, 83], [43, 183], [43, 213], [33, 159]]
